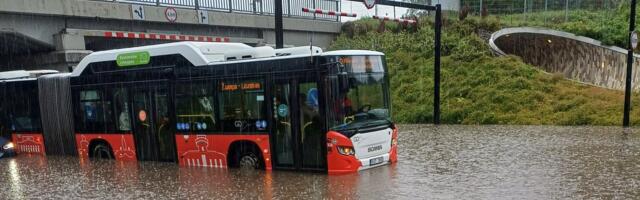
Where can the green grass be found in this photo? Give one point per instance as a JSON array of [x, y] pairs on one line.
[[477, 88]]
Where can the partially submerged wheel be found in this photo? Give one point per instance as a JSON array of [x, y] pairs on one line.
[[249, 161], [102, 151]]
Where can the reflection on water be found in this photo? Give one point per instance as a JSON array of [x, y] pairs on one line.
[[453, 162]]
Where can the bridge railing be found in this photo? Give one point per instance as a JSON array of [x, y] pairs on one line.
[[290, 8]]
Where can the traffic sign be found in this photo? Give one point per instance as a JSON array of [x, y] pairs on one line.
[[137, 12], [171, 14], [369, 3], [203, 16]]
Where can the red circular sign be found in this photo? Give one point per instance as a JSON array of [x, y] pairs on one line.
[[171, 14], [369, 3], [142, 115]]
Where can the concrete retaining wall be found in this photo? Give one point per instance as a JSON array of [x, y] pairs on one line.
[[578, 58]]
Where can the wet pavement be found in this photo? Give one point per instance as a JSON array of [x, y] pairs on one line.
[[435, 162]]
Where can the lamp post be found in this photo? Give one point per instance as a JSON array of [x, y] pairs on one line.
[[278, 24], [627, 88]]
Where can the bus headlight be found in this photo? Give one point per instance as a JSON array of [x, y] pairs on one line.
[[347, 151], [394, 142], [8, 146]]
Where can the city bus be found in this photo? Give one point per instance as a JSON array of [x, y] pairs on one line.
[[222, 105]]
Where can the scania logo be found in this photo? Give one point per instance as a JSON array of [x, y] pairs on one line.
[[356, 139], [374, 148]]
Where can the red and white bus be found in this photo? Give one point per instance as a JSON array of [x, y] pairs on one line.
[[220, 105]]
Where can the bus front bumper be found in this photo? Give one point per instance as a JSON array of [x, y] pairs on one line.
[[375, 161]]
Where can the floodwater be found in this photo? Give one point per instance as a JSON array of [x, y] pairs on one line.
[[435, 162]]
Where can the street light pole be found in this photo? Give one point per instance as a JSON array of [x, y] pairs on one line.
[[627, 88], [278, 24], [436, 73]]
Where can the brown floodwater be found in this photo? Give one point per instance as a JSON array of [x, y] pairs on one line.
[[435, 162]]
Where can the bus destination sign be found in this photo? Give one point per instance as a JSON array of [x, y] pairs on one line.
[[133, 59]]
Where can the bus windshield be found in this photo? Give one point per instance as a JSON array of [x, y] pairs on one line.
[[358, 94]]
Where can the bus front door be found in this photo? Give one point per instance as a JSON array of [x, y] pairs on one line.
[[153, 131]]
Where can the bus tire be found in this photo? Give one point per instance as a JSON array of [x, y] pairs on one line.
[[249, 161], [245, 155], [102, 151]]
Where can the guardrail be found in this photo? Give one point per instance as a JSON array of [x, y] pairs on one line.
[[290, 8]]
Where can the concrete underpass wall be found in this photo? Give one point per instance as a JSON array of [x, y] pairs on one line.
[[578, 58], [64, 31]]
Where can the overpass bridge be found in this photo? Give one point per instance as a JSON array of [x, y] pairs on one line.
[[57, 34]]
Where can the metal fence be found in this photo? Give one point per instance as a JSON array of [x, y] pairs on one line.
[[561, 9], [290, 8]]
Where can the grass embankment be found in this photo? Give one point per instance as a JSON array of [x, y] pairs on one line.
[[477, 88]]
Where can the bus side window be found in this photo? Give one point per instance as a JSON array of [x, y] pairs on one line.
[[95, 112], [195, 107], [25, 110], [242, 106], [121, 109]]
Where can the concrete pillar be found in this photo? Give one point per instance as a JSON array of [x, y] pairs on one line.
[[65, 41], [63, 61]]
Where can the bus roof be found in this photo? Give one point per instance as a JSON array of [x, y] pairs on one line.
[[202, 53], [23, 75], [353, 53]]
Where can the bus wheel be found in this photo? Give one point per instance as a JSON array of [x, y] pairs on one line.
[[249, 161], [102, 151]]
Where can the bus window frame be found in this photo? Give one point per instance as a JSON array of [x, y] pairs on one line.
[[265, 105], [107, 91], [214, 94], [29, 91]]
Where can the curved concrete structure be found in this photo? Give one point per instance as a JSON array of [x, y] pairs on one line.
[[578, 58]]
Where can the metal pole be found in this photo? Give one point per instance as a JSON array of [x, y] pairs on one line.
[[339, 8], [480, 9], [525, 10], [566, 10], [546, 7], [627, 87], [436, 74], [278, 24], [289, 8]]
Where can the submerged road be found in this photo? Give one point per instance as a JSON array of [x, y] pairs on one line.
[[435, 162]]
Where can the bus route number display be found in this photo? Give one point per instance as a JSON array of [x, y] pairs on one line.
[[133, 59]]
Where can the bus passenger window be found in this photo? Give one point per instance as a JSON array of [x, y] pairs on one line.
[[242, 106], [25, 114], [121, 107], [95, 112], [195, 107]]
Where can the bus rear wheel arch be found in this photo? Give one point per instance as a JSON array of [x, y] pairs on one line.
[[100, 149], [246, 155]]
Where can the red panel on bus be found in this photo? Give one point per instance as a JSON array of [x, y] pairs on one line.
[[393, 154], [336, 162], [211, 150], [122, 145], [31, 143]]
